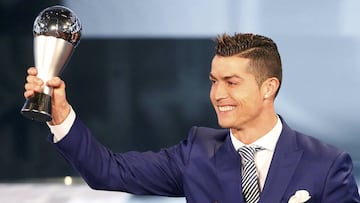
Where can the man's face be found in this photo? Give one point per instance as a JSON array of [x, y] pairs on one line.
[[234, 93]]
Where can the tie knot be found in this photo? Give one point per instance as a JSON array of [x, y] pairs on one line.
[[248, 152]]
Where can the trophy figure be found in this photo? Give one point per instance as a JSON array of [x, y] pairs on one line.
[[57, 32]]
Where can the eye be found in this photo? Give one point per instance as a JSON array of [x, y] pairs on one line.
[[212, 81], [231, 83]]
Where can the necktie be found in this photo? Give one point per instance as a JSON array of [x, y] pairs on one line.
[[250, 183]]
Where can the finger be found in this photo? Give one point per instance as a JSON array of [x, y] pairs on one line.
[[55, 82], [32, 71], [33, 87], [34, 79], [28, 94]]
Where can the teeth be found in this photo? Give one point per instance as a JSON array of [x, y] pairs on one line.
[[226, 108]]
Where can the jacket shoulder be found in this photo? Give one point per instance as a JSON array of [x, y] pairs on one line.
[[316, 147], [205, 139], [206, 134]]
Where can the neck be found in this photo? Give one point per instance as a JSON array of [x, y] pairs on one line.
[[251, 133]]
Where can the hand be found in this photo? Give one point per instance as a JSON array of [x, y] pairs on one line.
[[60, 106]]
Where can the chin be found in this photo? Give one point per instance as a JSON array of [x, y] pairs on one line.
[[224, 125]]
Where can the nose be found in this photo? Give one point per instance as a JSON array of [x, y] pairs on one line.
[[218, 92]]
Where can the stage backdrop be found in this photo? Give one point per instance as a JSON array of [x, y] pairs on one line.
[[139, 77]]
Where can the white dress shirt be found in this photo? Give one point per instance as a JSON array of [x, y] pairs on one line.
[[263, 157], [59, 131]]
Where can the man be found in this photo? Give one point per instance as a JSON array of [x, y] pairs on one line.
[[212, 165]]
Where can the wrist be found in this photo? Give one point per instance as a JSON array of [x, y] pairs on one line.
[[59, 114]]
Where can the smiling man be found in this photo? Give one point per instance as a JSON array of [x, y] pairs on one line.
[[257, 157]]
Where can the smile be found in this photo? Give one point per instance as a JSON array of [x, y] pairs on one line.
[[226, 108]]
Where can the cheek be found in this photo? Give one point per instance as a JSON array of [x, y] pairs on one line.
[[253, 102], [212, 94], [246, 97]]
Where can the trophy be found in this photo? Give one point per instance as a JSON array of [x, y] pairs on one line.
[[57, 32]]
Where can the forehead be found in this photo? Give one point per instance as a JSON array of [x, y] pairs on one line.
[[229, 65]]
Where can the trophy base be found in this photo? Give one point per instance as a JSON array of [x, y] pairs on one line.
[[38, 108]]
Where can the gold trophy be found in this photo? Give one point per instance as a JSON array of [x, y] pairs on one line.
[[57, 32]]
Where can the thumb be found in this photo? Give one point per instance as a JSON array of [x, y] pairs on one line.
[[60, 106]]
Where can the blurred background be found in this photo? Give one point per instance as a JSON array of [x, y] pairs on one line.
[[139, 80]]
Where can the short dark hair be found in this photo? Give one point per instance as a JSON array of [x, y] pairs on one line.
[[265, 61]]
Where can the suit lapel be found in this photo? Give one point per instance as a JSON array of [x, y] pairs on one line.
[[284, 162], [228, 169]]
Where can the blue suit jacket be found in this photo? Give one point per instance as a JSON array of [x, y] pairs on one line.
[[206, 168]]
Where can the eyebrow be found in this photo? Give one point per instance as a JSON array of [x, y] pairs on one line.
[[211, 76]]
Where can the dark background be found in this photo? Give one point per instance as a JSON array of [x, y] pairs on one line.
[[135, 94]]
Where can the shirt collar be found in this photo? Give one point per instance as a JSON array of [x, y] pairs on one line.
[[268, 141]]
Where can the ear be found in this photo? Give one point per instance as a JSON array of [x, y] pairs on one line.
[[269, 87]]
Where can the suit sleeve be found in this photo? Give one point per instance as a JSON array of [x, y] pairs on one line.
[[153, 173], [340, 185]]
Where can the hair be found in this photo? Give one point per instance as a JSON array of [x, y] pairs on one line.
[[262, 51]]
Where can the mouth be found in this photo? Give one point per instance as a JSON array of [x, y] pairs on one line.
[[226, 108]]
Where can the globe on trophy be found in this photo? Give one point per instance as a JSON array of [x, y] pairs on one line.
[[57, 31]]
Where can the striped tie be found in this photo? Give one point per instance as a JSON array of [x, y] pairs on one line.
[[250, 183]]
